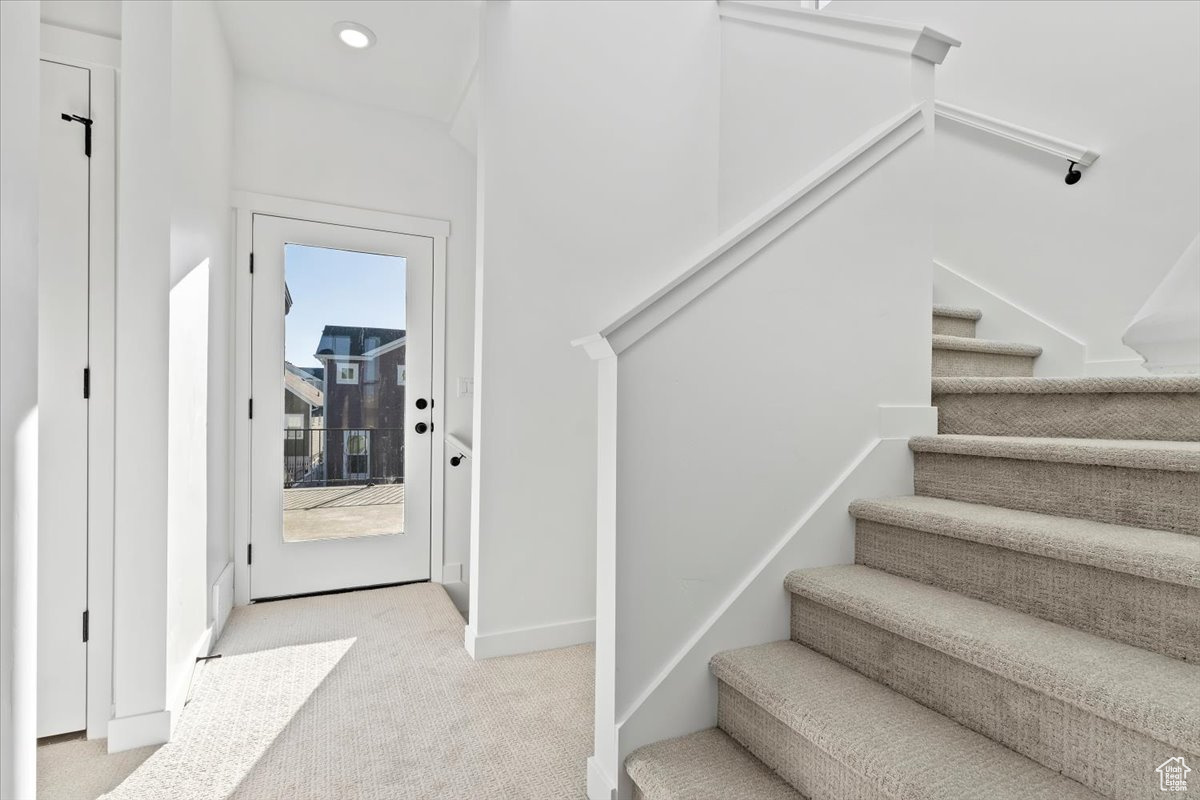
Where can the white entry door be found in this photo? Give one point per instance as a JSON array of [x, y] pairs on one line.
[[62, 407], [341, 410]]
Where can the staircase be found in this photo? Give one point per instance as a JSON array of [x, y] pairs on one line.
[[1027, 625]]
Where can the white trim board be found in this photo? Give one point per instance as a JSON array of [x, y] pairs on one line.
[[126, 733], [102, 403], [600, 785], [1080, 154], [529, 640], [246, 205], [734, 248], [79, 48], [221, 602], [351, 216], [918, 41]]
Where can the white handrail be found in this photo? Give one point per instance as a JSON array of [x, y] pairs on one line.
[[1077, 153], [744, 240]]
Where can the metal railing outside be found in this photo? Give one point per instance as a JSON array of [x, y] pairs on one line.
[[342, 456]]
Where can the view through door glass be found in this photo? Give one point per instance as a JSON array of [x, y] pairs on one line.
[[344, 382]]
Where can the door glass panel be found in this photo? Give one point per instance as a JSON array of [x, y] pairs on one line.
[[343, 390]]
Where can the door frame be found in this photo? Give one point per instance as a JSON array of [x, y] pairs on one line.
[[246, 205], [101, 409]]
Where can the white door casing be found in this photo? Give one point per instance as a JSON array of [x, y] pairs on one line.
[[62, 340], [278, 568]]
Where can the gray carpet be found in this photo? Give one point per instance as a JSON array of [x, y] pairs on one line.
[[360, 695]]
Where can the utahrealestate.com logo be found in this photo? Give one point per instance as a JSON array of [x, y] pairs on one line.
[[1172, 775]]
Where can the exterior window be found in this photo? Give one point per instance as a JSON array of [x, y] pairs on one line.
[[293, 420], [401, 374], [347, 372]]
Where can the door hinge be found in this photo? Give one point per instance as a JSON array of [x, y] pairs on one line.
[[252, 263], [87, 383], [85, 626], [87, 131], [249, 554], [250, 408]]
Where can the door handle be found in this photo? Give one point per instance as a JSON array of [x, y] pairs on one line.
[[421, 427], [422, 404]]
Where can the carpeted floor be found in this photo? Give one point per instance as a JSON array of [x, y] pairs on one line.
[[360, 695]]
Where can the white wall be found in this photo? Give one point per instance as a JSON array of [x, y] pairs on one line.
[[140, 460], [1122, 78], [598, 148], [1167, 329], [201, 305], [187, 479], [737, 415], [768, 137], [304, 145], [201, 234], [19, 101], [172, 426]]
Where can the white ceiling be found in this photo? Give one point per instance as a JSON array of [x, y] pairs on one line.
[[421, 63]]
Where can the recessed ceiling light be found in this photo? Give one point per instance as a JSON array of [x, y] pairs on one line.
[[354, 35]]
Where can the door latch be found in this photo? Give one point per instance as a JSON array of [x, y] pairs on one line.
[[87, 131]]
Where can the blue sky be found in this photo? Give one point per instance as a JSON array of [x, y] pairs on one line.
[[337, 287]]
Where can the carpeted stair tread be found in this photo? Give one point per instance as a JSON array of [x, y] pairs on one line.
[[958, 312], [1143, 691], [1159, 555], [1118, 385], [1130, 453], [972, 345], [891, 746], [1149, 407], [706, 765]]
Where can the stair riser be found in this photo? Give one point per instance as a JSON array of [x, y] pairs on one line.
[[1143, 498], [815, 774], [1104, 756], [1165, 617], [1119, 415], [970, 364], [954, 326]]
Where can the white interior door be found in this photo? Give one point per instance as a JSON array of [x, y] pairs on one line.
[[341, 411], [62, 408]]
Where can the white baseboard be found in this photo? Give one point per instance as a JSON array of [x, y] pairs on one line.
[[529, 640], [222, 601], [183, 684], [599, 785], [126, 733]]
